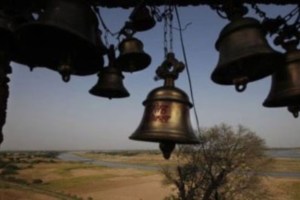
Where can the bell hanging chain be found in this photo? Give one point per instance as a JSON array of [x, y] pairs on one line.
[[106, 29], [258, 11], [168, 30], [230, 10], [274, 25]]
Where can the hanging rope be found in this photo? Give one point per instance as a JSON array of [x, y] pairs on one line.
[[107, 31], [187, 70]]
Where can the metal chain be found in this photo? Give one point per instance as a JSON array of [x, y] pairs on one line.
[[168, 30], [165, 17], [107, 31], [291, 14], [260, 13], [171, 29]]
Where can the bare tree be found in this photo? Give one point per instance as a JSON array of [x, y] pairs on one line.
[[223, 167]]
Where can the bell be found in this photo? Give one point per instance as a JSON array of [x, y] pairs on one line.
[[132, 58], [141, 20], [110, 84], [245, 55], [285, 87], [65, 35], [166, 117], [110, 79]]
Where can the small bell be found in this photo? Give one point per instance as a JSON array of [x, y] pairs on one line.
[[285, 87], [245, 55], [110, 82], [166, 118], [132, 58], [141, 20]]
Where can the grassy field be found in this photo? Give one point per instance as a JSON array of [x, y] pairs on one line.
[[40, 177]]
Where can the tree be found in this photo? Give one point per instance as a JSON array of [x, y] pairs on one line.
[[223, 167]]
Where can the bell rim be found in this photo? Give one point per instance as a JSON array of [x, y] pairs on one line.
[[124, 59], [91, 53], [107, 93], [155, 138], [282, 99], [220, 73]]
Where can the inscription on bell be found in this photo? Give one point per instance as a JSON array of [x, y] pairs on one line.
[[160, 113]]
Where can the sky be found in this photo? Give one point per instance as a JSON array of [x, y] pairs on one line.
[[45, 113]]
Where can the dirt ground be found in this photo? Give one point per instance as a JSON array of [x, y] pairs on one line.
[[143, 188], [90, 182], [283, 188], [100, 183]]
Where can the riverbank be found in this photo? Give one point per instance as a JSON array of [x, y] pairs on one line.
[[42, 178]]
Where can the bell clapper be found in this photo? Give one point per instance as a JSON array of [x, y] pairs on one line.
[[65, 69], [31, 68], [65, 72], [66, 78], [240, 84], [294, 110], [167, 149]]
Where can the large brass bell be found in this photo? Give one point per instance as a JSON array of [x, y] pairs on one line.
[[65, 38], [110, 83], [285, 88], [245, 54], [166, 117], [132, 57]]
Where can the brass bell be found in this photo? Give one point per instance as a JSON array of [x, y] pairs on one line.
[[64, 34], [245, 54], [285, 87], [166, 118], [132, 58], [141, 20], [110, 82]]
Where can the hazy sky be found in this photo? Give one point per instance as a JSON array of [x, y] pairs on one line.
[[44, 113]]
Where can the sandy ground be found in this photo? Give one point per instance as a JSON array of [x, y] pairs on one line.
[[112, 184], [143, 188]]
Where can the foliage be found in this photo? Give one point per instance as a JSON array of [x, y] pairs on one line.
[[37, 181], [10, 169], [223, 166]]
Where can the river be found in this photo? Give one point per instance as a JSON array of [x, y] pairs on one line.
[[284, 153], [70, 156]]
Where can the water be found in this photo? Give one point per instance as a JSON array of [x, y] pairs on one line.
[[287, 153], [284, 153], [69, 156]]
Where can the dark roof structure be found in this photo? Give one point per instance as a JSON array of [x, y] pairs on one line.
[[132, 3]]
